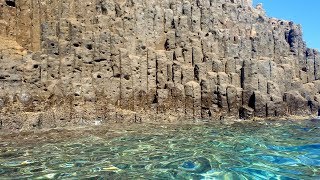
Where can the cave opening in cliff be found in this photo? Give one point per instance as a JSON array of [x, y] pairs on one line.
[[11, 3]]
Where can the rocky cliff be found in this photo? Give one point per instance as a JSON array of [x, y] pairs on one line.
[[78, 62]]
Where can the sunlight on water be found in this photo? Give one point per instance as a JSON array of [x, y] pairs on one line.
[[269, 150]]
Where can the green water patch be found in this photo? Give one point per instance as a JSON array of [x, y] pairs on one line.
[[263, 150]]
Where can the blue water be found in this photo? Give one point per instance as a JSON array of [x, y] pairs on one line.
[[264, 150]]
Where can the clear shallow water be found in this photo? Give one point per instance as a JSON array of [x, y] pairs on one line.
[[269, 150]]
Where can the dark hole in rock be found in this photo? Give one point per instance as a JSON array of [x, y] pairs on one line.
[[127, 77], [197, 73], [100, 60], [291, 23], [99, 76], [35, 66], [52, 44], [235, 39], [252, 101], [57, 54], [260, 19], [104, 10], [224, 6], [76, 94], [155, 100], [167, 45], [143, 47], [2, 77], [76, 44], [117, 76], [174, 56], [173, 26], [11, 3], [89, 46], [310, 104]]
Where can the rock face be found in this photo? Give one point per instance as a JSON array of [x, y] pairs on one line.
[[75, 62]]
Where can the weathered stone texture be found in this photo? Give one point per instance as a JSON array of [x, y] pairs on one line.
[[73, 62]]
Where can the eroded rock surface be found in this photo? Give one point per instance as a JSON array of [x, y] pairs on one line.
[[77, 62]]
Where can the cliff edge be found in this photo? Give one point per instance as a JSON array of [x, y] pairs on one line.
[[82, 62]]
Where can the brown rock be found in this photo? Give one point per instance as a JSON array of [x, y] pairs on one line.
[[150, 61]]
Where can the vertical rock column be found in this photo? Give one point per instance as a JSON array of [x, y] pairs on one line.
[[24, 22], [317, 65], [126, 88], [193, 100], [8, 19]]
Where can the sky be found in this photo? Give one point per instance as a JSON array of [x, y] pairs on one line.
[[304, 12]]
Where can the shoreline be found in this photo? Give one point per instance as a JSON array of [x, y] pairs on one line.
[[61, 134]]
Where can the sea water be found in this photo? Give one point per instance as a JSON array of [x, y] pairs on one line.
[[261, 150]]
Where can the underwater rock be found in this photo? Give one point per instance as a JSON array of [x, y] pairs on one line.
[[198, 165]]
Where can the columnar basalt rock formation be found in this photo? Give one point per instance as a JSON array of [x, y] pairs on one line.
[[76, 62]]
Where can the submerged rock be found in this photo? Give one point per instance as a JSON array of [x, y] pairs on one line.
[[198, 165]]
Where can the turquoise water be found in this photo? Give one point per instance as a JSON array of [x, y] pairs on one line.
[[268, 150]]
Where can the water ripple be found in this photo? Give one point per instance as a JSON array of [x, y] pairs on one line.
[[241, 151]]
